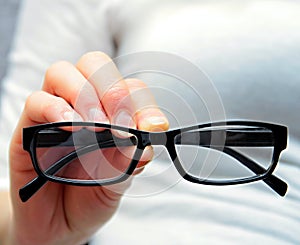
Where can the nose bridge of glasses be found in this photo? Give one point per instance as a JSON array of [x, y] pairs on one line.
[[154, 138]]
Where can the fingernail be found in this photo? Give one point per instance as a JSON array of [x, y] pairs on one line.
[[72, 116], [97, 115], [154, 124], [124, 119]]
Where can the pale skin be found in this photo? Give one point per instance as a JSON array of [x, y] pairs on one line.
[[64, 214]]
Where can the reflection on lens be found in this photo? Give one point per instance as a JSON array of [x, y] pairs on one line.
[[91, 153], [225, 153]]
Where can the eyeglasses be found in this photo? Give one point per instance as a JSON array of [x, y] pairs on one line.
[[91, 154]]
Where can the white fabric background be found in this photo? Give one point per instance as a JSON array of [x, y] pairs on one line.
[[251, 53]]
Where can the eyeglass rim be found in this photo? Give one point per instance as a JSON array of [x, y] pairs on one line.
[[280, 136], [279, 131]]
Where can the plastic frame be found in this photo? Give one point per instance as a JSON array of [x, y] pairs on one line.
[[222, 140]]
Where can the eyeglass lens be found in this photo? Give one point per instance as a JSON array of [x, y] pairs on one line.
[[91, 153]]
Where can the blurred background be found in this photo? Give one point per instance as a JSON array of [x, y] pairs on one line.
[[8, 17]]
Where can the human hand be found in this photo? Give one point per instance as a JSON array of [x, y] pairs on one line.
[[65, 214]]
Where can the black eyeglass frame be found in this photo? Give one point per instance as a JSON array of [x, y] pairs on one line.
[[167, 138]]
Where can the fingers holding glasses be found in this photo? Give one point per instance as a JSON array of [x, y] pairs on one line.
[[127, 102], [95, 89], [110, 87]]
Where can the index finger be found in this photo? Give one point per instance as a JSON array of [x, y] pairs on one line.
[[111, 89]]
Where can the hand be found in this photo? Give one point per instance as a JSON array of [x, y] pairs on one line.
[[64, 214]]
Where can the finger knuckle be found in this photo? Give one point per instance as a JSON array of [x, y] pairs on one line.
[[31, 99], [58, 102], [54, 70]]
